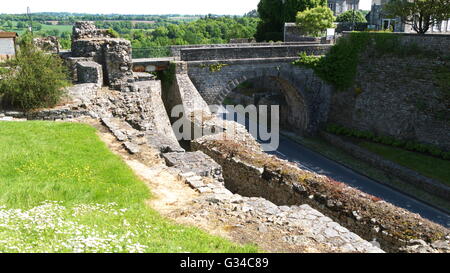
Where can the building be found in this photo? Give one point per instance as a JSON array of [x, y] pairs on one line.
[[378, 21], [341, 6], [7, 44]]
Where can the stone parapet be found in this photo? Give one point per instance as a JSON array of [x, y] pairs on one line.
[[251, 52]]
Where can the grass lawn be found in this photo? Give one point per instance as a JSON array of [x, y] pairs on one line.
[[62, 190], [433, 167]]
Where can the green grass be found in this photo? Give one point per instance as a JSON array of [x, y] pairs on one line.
[[433, 167], [98, 197], [61, 28], [20, 31]]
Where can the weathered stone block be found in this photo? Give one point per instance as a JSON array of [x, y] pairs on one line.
[[196, 162], [90, 72], [119, 64], [71, 63], [86, 29]]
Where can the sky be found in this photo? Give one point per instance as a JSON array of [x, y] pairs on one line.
[[229, 7]]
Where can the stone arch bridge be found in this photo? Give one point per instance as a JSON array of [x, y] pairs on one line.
[[215, 71]]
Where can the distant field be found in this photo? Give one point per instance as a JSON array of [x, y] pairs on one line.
[[184, 18], [61, 28]]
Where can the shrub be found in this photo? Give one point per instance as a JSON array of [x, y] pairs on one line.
[[339, 66], [34, 79], [307, 60], [315, 21], [113, 33], [446, 155]]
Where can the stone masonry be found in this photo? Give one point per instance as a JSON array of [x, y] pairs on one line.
[[251, 52], [307, 95], [113, 54], [250, 172], [89, 72]]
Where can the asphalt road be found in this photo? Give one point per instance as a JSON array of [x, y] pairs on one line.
[[313, 161]]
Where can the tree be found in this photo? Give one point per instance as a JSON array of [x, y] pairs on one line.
[[34, 79], [274, 13], [252, 13], [21, 25], [9, 24], [352, 16], [315, 21], [420, 14]]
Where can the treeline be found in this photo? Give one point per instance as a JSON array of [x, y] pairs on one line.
[[157, 31], [203, 31], [72, 17]]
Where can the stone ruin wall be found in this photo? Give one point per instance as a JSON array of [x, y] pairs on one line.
[[250, 172], [113, 54]]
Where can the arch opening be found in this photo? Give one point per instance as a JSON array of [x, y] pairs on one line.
[[271, 90]]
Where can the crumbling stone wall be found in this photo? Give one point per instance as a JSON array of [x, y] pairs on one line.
[[250, 172], [88, 30], [113, 54], [90, 72], [48, 44], [119, 65]]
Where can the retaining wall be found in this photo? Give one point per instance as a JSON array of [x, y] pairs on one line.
[[439, 43], [251, 172]]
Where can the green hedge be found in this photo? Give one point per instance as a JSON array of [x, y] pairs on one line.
[[387, 140]]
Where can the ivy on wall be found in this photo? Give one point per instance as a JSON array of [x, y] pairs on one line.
[[339, 66]]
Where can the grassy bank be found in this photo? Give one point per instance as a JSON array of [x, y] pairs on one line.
[[62, 190], [321, 146], [429, 166]]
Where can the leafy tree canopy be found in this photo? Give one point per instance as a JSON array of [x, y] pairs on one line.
[[315, 21], [274, 13], [352, 16], [420, 14]]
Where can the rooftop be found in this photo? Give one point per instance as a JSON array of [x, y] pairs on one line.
[[6, 34]]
